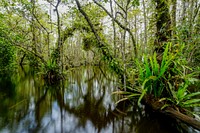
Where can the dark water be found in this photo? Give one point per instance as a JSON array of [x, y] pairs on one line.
[[83, 103]]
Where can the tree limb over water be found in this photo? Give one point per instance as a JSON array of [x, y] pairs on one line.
[[102, 45]]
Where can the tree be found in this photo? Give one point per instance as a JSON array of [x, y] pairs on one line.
[[163, 24], [124, 27]]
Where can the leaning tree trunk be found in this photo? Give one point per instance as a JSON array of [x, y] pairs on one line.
[[101, 44]]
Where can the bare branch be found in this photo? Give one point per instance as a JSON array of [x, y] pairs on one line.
[[58, 2], [31, 52], [121, 25], [119, 14], [119, 6], [51, 3], [40, 23]]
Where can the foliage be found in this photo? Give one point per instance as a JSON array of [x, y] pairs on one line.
[[135, 3], [32, 60], [182, 97], [51, 67], [191, 41], [6, 49], [30, 26], [6, 56], [114, 66], [89, 41], [152, 74], [166, 80], [51, 73]]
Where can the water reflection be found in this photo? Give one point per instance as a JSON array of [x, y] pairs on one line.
[[81, 104]]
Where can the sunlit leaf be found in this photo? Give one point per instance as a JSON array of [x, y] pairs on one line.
[[192, 101]]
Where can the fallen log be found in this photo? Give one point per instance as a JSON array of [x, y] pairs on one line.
[[171, 111], [184, 118]]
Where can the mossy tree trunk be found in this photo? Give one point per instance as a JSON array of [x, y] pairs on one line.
[[163, 24]]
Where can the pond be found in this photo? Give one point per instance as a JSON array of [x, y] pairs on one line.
[[82, 103]]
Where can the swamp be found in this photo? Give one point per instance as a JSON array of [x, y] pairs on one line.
[[99, 66]]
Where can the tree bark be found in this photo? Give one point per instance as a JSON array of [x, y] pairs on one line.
[[174, 5], [163, 25]]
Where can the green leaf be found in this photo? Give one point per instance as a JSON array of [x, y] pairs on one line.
[[147, 67], [152, 64], [182, 92], [141, 75], [193, 80], [164, 106], [191, 95], [153, 77], [171, 90], [164, 58], [192, 105], [133, 95], [156, 65], [141, 96], [192, 101], [135, 3]]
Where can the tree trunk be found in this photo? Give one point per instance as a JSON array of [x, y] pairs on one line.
[[145, 25], [163, 23], [59, 31], [184, 10], [114, 29], [174, 4], [101, 45], [156, 105], [33, 27], [121, 26], [191, 15]]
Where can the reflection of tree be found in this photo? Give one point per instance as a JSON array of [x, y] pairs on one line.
[[158, 123], [38, 106], [7, 93], [92, 108], [88, 90], [16, 101]]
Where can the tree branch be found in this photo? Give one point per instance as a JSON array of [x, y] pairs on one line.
[[102, 45], [119, 6], [40, 23], [119, 14], [89, 22], [196, 12], [33, 53], [51, 3], [122, 26]]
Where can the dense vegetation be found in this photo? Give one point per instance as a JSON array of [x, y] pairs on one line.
[[153, 46]]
